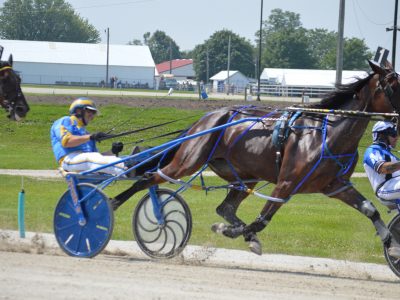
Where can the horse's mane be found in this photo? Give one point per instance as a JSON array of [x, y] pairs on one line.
[[342, 93], [4, 63]]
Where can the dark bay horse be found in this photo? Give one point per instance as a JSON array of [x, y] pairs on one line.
[[11, 97], [318, 155]]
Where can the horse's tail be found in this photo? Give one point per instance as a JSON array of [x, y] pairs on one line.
[[161, 160]]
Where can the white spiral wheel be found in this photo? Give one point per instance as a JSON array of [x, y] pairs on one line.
[[162, 239]]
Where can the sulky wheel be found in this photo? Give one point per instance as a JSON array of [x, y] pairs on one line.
[[394, 228], [89, 239], [162, 240]]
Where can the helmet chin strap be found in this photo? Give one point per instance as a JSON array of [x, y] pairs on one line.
[[81, 115]]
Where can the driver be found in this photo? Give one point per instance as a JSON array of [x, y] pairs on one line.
[[75, 148], [383, 168]]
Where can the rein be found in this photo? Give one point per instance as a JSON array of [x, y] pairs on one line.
[[111, 136]]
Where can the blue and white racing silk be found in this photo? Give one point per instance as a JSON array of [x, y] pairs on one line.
[[385, 186], [62, 130], [83, 157]]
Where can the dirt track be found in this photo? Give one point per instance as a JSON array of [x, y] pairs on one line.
[[32, 276], [205, 105]]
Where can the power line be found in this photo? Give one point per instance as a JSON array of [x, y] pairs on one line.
[[357, 22], [368, 18]]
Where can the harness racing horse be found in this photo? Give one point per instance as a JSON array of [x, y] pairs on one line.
[[11, 97], [316, 153]]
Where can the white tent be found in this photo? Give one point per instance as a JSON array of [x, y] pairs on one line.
[[80, 63], [307, 78]]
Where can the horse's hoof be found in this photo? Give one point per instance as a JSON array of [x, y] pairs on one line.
[[218, 228], [255, 247]]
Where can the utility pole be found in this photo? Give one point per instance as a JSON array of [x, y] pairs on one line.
[[170, 57], [108, 53], [339, 49], [229, 63], [259, 53], [394, 28], [207, 66]]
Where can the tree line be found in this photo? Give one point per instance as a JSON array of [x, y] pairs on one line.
[[285, 42]]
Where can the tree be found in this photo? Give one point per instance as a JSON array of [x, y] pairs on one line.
[[160, 46], [216, 46], [146, 37], [322, 44], [285, 42], [282, 20], [355, 55], [135, 42], [45, 20]]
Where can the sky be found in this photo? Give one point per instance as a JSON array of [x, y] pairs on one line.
[[190, 23]]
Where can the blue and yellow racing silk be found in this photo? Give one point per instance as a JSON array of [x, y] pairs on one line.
[[60, 133]]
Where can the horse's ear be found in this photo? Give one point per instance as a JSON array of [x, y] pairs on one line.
[[376, 67], [10, 60]]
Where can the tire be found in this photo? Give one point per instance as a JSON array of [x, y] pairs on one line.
[[167, 240], [84, 240], [394, 228]]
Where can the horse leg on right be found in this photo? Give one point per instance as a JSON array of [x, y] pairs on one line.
[[353, 198]]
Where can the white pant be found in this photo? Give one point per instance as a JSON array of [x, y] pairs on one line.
[[85, 161], [390, 190]]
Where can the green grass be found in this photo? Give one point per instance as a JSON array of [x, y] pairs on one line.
[[311, 225]]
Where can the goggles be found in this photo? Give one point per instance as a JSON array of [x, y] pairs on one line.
[[392, 132]]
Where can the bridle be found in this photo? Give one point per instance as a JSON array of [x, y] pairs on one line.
[[389, 85]]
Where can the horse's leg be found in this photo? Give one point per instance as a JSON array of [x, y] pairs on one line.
[[353, 198], [227, 210], [249, 232]]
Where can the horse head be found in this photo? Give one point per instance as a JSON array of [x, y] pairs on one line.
[[11, 97], [385, 87]]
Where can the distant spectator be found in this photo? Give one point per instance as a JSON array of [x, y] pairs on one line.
[[112, 81]]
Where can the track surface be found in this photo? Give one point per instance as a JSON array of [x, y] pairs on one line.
[[34, 276]]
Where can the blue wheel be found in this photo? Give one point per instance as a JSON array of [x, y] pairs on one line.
[[89, 239], [162, 240]]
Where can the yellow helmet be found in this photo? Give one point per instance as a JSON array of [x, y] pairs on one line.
[[84, 103]]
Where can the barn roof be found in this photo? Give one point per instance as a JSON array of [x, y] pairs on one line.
[[77, 53], [176, 63], [305, 77], [223, 75]]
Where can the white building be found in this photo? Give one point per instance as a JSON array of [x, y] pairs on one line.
[[306, 77], [80, 63], [295, 82], [234, 78]]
